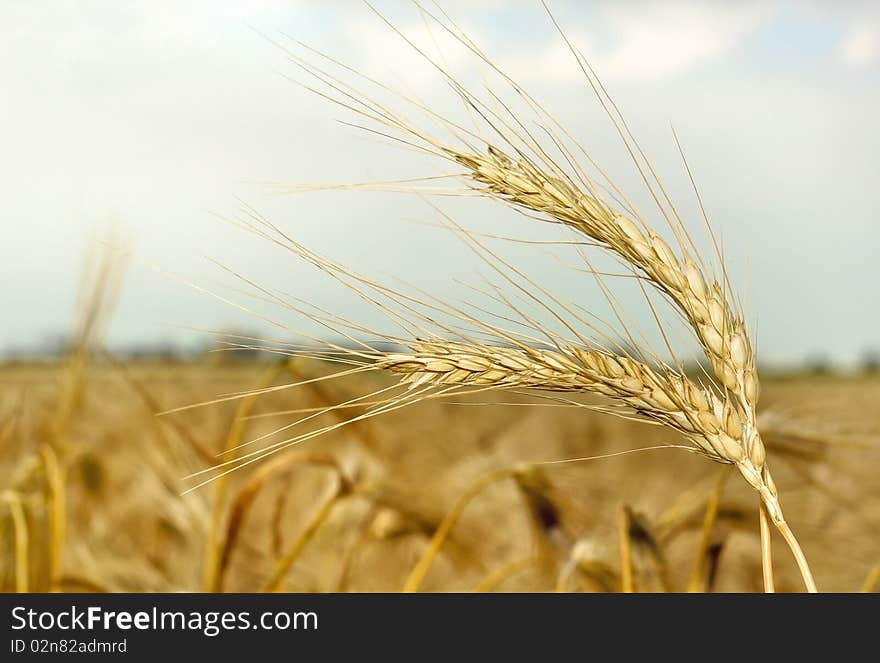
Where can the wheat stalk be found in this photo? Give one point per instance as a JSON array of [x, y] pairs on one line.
[[723, 425], [721, 333], [719, 418]]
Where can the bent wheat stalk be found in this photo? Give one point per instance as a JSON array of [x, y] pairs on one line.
[[503, 161]]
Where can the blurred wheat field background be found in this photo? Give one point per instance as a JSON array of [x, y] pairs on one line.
[[93, 485]]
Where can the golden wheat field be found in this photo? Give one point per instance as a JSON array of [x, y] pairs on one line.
[[560, 391], [93, 486]]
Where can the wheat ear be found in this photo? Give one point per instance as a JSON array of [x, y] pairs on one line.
[[517, 170], [721, 333]]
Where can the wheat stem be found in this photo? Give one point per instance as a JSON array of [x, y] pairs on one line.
[[417, 575], [697, 580], [766, 549], [212, 570], [284, 565], [872, 581], [798, 553], [20, 528], [56, 510], [626, 569], [763, 483], [499, 575]]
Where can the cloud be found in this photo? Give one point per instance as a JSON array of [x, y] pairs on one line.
[[861, 45], [652, 42], [640, 40]]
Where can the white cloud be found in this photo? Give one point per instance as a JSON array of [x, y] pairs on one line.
[[636, 40], [671, 39], [861, 45]]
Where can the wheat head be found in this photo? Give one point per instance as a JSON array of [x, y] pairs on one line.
[[719, 418]]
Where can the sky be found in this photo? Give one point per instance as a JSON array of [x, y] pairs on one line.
[[155, 122]]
